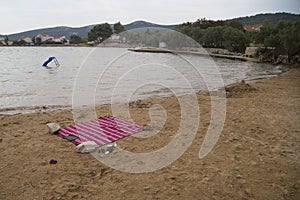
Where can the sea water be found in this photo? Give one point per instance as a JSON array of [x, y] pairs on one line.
[[111, 75]]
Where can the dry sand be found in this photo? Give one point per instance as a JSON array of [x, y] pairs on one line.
[[256, 157]]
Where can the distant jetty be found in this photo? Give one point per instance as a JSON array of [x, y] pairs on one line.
[[150, 50], [162, 50]]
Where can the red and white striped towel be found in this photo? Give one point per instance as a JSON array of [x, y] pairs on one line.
[[102, 131]]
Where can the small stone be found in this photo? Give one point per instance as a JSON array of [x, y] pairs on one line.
[[16, 134], [242, 181], [239, 176], [146, 188]]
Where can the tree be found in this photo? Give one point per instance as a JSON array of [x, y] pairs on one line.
[[75, 39], [216, 34], [100, 32], [213, 37], [264, 32], [37, 40], [19, 43], [289, 35], [118, 27], [280, 39], [237, 25], [234, 40]]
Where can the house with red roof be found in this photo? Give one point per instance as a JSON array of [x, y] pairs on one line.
[[44, 37], [25, 39], [60, 39], [255, 27]]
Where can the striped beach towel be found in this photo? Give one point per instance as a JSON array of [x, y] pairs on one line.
[[102, 131]]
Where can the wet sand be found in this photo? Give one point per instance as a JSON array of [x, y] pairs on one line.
[[256, 157]]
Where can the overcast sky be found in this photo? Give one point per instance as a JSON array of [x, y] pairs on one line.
[[22, 15]]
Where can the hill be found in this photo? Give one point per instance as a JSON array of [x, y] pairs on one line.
[[81, 31], [55, 31], [271, 17], [144, 24]]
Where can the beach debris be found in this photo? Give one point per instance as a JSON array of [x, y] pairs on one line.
[[53, 127], [49, 60], [107, 149], [86, 147], [53, 161]]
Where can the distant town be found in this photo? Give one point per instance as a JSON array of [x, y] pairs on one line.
[[40, 38], [46, 39]]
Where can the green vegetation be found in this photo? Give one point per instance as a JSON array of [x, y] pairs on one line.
[[216, 34], [19, 43], [118, 27], [100, 32], [273, 18], [280, 39], [37, 41], [75, 39]]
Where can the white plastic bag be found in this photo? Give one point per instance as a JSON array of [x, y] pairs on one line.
[[86, 147], [53, 127]]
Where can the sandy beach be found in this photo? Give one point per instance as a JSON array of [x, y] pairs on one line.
[[256, 157]]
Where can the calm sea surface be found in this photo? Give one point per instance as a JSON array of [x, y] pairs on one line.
[[102, 75]]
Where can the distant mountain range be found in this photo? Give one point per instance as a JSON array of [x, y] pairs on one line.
[[272, 18], [55, 31], [82, 31]]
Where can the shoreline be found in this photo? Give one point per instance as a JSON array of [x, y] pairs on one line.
[[158, 50], [48, 108], [256, 157]]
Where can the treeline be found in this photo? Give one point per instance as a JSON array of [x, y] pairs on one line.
[[216, 34], [282, 38], [98, 33], [273, 18]]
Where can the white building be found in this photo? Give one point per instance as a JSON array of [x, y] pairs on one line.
[[44, 37], [26, 39], [115, 37], [60, 39]]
